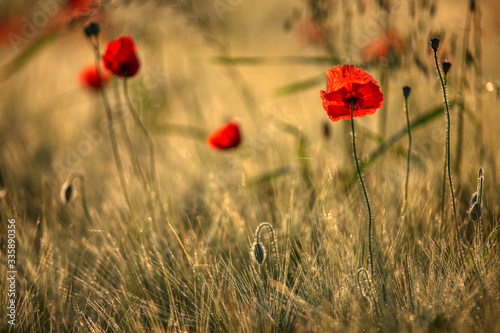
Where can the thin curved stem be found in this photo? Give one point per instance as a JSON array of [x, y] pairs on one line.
[[443, 86], [112, 133], [364, 189], [152, 164]]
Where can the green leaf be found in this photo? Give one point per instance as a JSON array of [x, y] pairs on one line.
[[27, 54]]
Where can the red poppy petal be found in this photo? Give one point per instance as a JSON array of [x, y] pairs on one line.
[[337, 95], [337, 112], [370, 95]]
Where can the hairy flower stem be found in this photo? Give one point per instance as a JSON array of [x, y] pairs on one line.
[[364, 189], [112, 133], [152, 164], [443, 188], [409, 150], [447, 158]]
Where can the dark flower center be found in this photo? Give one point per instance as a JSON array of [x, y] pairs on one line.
[[351, 98]]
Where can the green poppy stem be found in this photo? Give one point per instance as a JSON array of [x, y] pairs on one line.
[[409, 150], [364, 189], [112, 133], [447, 158], [152, 164]]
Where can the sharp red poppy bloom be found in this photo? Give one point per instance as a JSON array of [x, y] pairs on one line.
[[348, 83], [120, 57], [89, 77], [225, 137]]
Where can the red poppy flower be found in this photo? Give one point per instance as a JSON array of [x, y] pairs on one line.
[[311, 32], [348, 83], [88, 77], [225, 137], [120, 57], [388, 46]]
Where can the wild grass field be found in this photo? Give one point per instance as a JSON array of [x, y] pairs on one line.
[[139, 224]]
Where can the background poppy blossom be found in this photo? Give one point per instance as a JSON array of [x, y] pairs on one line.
[[120, 57], [387, 47], [346, 83], [89, 77], [225, 137]]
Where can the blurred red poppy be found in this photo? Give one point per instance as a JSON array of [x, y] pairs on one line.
[[120, 57], [348, 83], [388, 46], [312, 32], [89, 78], [225, 137], [11, 28]]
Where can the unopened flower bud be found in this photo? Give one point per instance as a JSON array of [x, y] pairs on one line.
[[66, 192], [473, 199], [326, 129], [92, 28], [435, 43], [406, 91], [475, 211], [258, 253], [446, 65]]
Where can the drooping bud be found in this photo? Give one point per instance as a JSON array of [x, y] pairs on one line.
[[446, 65], [475, 211], [406, 91], [66, 192], [435, 43], [326, 129], [473, 199], [258, 253]]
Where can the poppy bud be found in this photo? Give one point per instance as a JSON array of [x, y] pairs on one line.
[[475, 211], [446, 65], [406, 91], [326, 130], [66, 192], [258, 252], [435, 43], [473, 199], [92, 28]]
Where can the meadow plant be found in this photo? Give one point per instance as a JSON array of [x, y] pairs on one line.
[[435, 45], [193, 257], [351, 92]]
